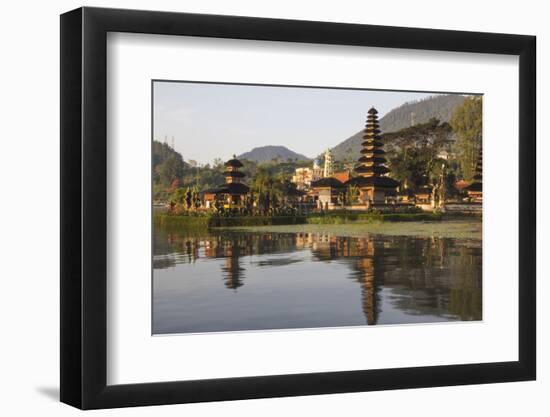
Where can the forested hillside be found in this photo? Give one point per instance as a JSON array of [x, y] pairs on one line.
[[171, 173], [417, 112], [168, 164]]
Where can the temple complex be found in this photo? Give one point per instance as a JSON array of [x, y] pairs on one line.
[[373, 183], [361, 187]]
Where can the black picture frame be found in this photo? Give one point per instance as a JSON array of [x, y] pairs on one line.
[[84, 207]]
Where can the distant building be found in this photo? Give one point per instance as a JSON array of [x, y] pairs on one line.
[[327, 171], [303, 177], [423, 195]]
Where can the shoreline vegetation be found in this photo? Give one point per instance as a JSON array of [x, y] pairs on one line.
[[454, 229], [349, 224]]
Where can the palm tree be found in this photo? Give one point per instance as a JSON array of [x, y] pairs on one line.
[[268, 189]]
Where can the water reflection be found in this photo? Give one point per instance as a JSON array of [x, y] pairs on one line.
[[295, 280]]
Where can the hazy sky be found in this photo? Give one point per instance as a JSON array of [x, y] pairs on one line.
[[211, 121]]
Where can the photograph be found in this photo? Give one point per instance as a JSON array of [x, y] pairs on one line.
[[290, 207]]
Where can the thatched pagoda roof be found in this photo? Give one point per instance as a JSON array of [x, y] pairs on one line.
[[234, 174], [371, 143], [233, 188], [475, 186], [375, 151], [373, 159], [327, 182], [382, 182], [234, 163], [294, 192], [375, 169]]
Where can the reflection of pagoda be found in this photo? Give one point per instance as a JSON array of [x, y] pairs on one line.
[[372, 181], [233, 274], [365, 267], [361, 254]]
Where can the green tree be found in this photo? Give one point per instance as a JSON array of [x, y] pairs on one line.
[[466, 123], [178, 196], [352, 195], [414, 158], [411, 166], [171, 169], [269, 188]]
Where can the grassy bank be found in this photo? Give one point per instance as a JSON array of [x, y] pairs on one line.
[[205, 221], [458, 229], [166, 220], [351, 217], [339, 224], [188, 222]]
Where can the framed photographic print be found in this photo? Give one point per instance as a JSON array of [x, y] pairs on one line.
[[258, 207]]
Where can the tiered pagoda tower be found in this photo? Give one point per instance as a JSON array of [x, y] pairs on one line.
[[233, 189], [372, 181], [475, 189], [232, 173]]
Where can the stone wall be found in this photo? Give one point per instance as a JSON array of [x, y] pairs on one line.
[[464, 208]]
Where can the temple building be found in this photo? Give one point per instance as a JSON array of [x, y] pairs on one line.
[[233, 192], [475, 189], [424, 198], [326, 192], [373, 183], [406, 196]]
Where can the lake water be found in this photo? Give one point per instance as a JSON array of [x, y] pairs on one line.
[[226, 281]]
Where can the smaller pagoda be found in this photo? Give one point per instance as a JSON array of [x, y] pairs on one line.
[[475, 189], [233, 192], [372, 180]]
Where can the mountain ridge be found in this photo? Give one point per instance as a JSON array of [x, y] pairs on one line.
[[269, 153], [417, 112]]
